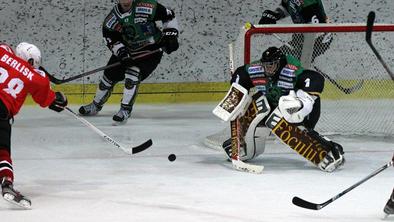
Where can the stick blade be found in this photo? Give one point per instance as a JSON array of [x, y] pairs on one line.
[[249, 168], [305, 204], [370, 21], [142, 147]]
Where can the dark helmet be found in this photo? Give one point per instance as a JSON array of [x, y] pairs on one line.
[[271, 59]]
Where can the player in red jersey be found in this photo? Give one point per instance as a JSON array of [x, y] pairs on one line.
[[19, 77]]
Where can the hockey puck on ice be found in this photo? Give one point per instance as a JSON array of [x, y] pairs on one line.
[[171, 157]]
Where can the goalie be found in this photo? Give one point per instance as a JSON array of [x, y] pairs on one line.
[[275, 94]]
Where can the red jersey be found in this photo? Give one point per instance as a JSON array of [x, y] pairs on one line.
[[19, 79]]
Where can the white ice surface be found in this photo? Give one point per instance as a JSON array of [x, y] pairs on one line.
[[71, 174]]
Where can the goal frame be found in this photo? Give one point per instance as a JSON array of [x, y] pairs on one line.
[[307, 28]]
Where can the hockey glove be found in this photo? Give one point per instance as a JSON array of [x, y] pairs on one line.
[[124, 56], [269, 17], [295, 107], [169, 40], [59, 103], [289, 106]]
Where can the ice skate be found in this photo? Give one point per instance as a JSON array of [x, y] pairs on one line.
[[389, 208], [13, 196], [121, 117], [90, 109]]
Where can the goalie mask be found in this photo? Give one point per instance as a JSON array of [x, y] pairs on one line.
[[30, 53], [270, 60]]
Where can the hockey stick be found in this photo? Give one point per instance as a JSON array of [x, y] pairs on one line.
[[368, 38], [246, 167], [350, 90], [128, 150], [283, 41], [61, 81], [237, 163], [313, 206]]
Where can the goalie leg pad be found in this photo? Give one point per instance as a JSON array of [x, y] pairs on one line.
[[255, 136], [255, 142], [247, 137], [234, 104], [296, 138]]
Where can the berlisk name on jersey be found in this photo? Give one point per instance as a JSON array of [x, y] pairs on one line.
[[18, 66]]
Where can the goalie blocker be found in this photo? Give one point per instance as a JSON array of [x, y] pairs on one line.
[[244, 112]]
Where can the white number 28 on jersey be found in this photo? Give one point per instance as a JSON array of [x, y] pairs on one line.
[[15, 85]]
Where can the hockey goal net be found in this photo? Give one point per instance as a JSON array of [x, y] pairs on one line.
[[359, 95]]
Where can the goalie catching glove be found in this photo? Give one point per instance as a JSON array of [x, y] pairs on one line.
[[295, 106], [59, 103]]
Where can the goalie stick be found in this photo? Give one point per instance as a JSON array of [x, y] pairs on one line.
[[128, 150], [368, 38], [313, 206], [61, 81], [236, 162]]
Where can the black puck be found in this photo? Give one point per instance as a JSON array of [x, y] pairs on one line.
[[171, 157]]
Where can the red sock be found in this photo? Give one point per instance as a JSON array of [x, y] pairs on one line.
[[6, 165]]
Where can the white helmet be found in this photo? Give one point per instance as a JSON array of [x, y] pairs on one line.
[[29, 52]]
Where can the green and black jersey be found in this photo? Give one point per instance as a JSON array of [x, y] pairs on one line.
[[291, 76], [305, 11], [136, 29]]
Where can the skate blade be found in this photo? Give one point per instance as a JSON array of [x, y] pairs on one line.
[[23, 203], [385, 216], [116, 123]]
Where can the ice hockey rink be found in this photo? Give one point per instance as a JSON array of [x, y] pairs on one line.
[[72, 174]]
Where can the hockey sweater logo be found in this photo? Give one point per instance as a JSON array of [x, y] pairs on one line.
[[144, 10]]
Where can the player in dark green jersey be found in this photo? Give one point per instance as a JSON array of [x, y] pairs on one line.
[[276, 83], [301, 12], [130, 30]]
